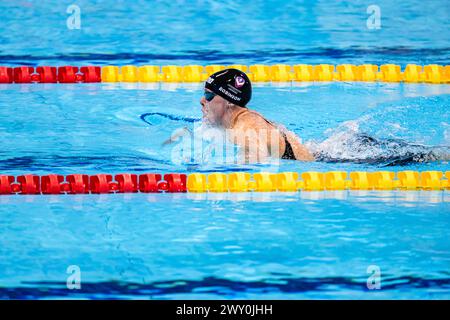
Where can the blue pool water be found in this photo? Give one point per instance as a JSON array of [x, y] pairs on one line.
[[254, 245], [228, 32]]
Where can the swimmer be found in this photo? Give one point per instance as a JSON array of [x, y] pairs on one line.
[[224, 105]]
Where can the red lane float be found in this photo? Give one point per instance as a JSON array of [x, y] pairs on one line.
[[5, 184], [176, 182], [78, 183], [23, 74], [127, 182], [29, 184], [100, 183], [52, 184], [6, 75], [91, 74], [46, 75], [67, 74], [149, 182]]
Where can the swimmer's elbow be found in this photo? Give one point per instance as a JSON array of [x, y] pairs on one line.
[[303, 154]]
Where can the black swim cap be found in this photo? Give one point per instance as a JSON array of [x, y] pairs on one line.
[[231, 84]]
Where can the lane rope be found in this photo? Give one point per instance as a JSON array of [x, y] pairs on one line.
[[221, 182], [412, 73]]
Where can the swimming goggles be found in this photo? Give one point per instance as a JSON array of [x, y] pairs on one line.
[[209, 95]]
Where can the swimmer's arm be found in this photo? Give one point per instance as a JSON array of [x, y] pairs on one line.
[[300, 151], [180, 132]]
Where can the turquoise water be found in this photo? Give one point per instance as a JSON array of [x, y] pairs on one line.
[[229, 32], [291, 246], [253, 245]]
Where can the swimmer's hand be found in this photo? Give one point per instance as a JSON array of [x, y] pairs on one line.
[[176, 135]]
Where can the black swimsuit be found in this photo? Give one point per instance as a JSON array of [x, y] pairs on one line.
[[288, 152]]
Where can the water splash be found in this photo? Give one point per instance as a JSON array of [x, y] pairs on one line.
[[347, 143]]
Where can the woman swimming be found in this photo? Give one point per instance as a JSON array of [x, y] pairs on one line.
[[224, 103], [224, 106]]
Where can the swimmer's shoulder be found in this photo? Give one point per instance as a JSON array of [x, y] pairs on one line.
[[251, 119]]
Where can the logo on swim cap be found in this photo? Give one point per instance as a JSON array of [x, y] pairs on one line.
[[239, 82]]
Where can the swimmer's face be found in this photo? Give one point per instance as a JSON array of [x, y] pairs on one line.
[[214, 110]]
